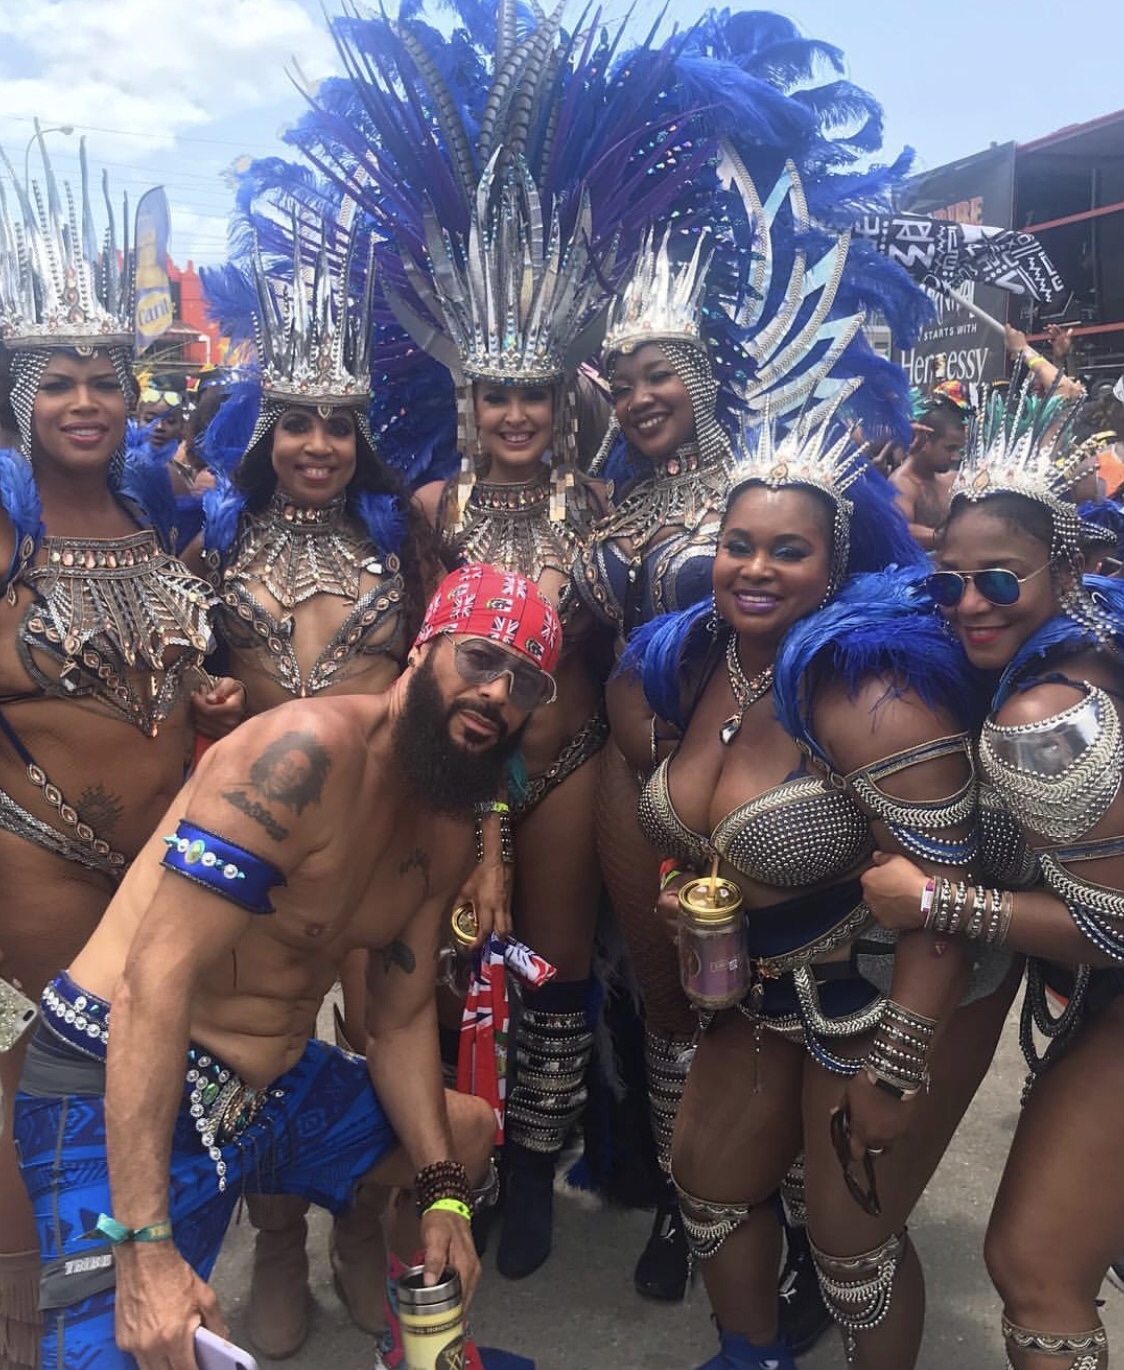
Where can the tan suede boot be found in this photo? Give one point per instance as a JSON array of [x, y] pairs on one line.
[[278, 1321], [358, 1256], [20, 1327]]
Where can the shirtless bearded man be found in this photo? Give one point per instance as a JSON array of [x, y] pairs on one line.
[[319, 827]]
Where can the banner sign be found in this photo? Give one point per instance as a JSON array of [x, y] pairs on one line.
[[154, 294]]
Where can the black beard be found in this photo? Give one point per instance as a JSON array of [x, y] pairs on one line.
[[443, 777]]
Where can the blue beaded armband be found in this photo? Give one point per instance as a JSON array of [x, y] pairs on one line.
[[228, 870]]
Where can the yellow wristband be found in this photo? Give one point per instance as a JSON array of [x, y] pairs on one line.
[[1035, 359], [462, 1210]]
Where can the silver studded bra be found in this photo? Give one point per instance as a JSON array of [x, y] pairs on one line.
[[1058, 776], [115, 621], [807, 830], [801, 832]]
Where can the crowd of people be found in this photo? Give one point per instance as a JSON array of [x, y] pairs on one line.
[[564, 585]]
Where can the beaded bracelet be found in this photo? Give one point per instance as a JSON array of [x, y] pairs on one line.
[[441, 1180], [988, 920], [507, 831]]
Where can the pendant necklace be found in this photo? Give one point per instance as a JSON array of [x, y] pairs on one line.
[[746, 692]]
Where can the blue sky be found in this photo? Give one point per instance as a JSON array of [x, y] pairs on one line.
[[173, 92]]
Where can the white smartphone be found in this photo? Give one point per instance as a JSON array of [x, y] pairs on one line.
[[17, 1013], [215, 1353]]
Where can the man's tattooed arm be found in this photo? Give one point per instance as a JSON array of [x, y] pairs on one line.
[[257, 812]]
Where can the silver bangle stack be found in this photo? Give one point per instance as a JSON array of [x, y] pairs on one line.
[[898, 1058], [962, 910]]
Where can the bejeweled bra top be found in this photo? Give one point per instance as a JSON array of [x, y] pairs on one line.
[[297, 554], [116, 621], [671, 524], [807, 831]]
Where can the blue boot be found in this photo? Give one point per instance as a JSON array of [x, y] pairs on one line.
[[739, 1354]]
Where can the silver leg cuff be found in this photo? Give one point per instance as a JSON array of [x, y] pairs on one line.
[[552, 1051], [1087, 1350], [707, 1224], [858, 1290]]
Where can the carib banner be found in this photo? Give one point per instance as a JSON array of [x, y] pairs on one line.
[[976, 190], [154, 293]]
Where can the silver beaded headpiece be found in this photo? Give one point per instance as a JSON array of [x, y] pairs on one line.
[[516, 305], [1022, 444], [312, 331], [662, 300], [56, 289], [813, 452]]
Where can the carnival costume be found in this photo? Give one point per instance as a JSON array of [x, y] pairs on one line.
[[314, 1131], [1056, 777], [117, 625], [268, 559], [776, 342], [517, 313], [272, 560], [818, 975]]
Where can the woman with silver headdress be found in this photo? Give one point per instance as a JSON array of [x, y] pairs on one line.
[[105, 634], [1009, 582], [516, 320], [819, 711], [322, 565]]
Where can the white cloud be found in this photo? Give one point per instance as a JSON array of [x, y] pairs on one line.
[[196, 237], [153, 70]]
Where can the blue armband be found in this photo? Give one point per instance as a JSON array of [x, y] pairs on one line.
[[228, 870]]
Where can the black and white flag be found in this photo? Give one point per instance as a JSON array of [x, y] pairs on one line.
[[951, 253]]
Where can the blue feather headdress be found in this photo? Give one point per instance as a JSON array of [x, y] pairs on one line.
[[419, 113]]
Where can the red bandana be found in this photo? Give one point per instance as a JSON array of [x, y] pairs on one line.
[[483, 601]]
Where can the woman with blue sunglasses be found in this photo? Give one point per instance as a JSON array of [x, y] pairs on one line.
[[1048, 643]]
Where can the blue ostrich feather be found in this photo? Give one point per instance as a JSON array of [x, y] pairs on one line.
[[228, 434], [223, 505], [879, 624], [383, 517], [146, 483], [231, 301], [19, 497]]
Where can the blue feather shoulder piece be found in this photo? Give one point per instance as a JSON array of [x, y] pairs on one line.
[[19, 497], [383, 517], [223, 505], [663, 651], [880, 623], [1065, 636]]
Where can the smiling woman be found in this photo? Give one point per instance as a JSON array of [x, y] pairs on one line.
[[102, 634]]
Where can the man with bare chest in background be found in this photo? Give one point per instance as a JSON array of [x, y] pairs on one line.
[[921, 484], [319, 827]]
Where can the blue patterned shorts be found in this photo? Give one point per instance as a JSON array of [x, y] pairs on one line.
[[318, 1130]]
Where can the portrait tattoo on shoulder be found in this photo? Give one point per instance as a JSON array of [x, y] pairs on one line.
[[291, 770], [397, 953]]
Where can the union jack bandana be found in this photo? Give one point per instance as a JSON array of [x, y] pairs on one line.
[[484, 601]]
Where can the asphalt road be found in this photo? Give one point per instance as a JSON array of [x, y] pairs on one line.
[[580, 1310]]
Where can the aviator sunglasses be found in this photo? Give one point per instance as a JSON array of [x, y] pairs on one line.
[[479, 662], [997, 585]]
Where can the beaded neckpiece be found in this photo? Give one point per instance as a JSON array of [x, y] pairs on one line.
[[296, 552], [109, 609], [511, 526]]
